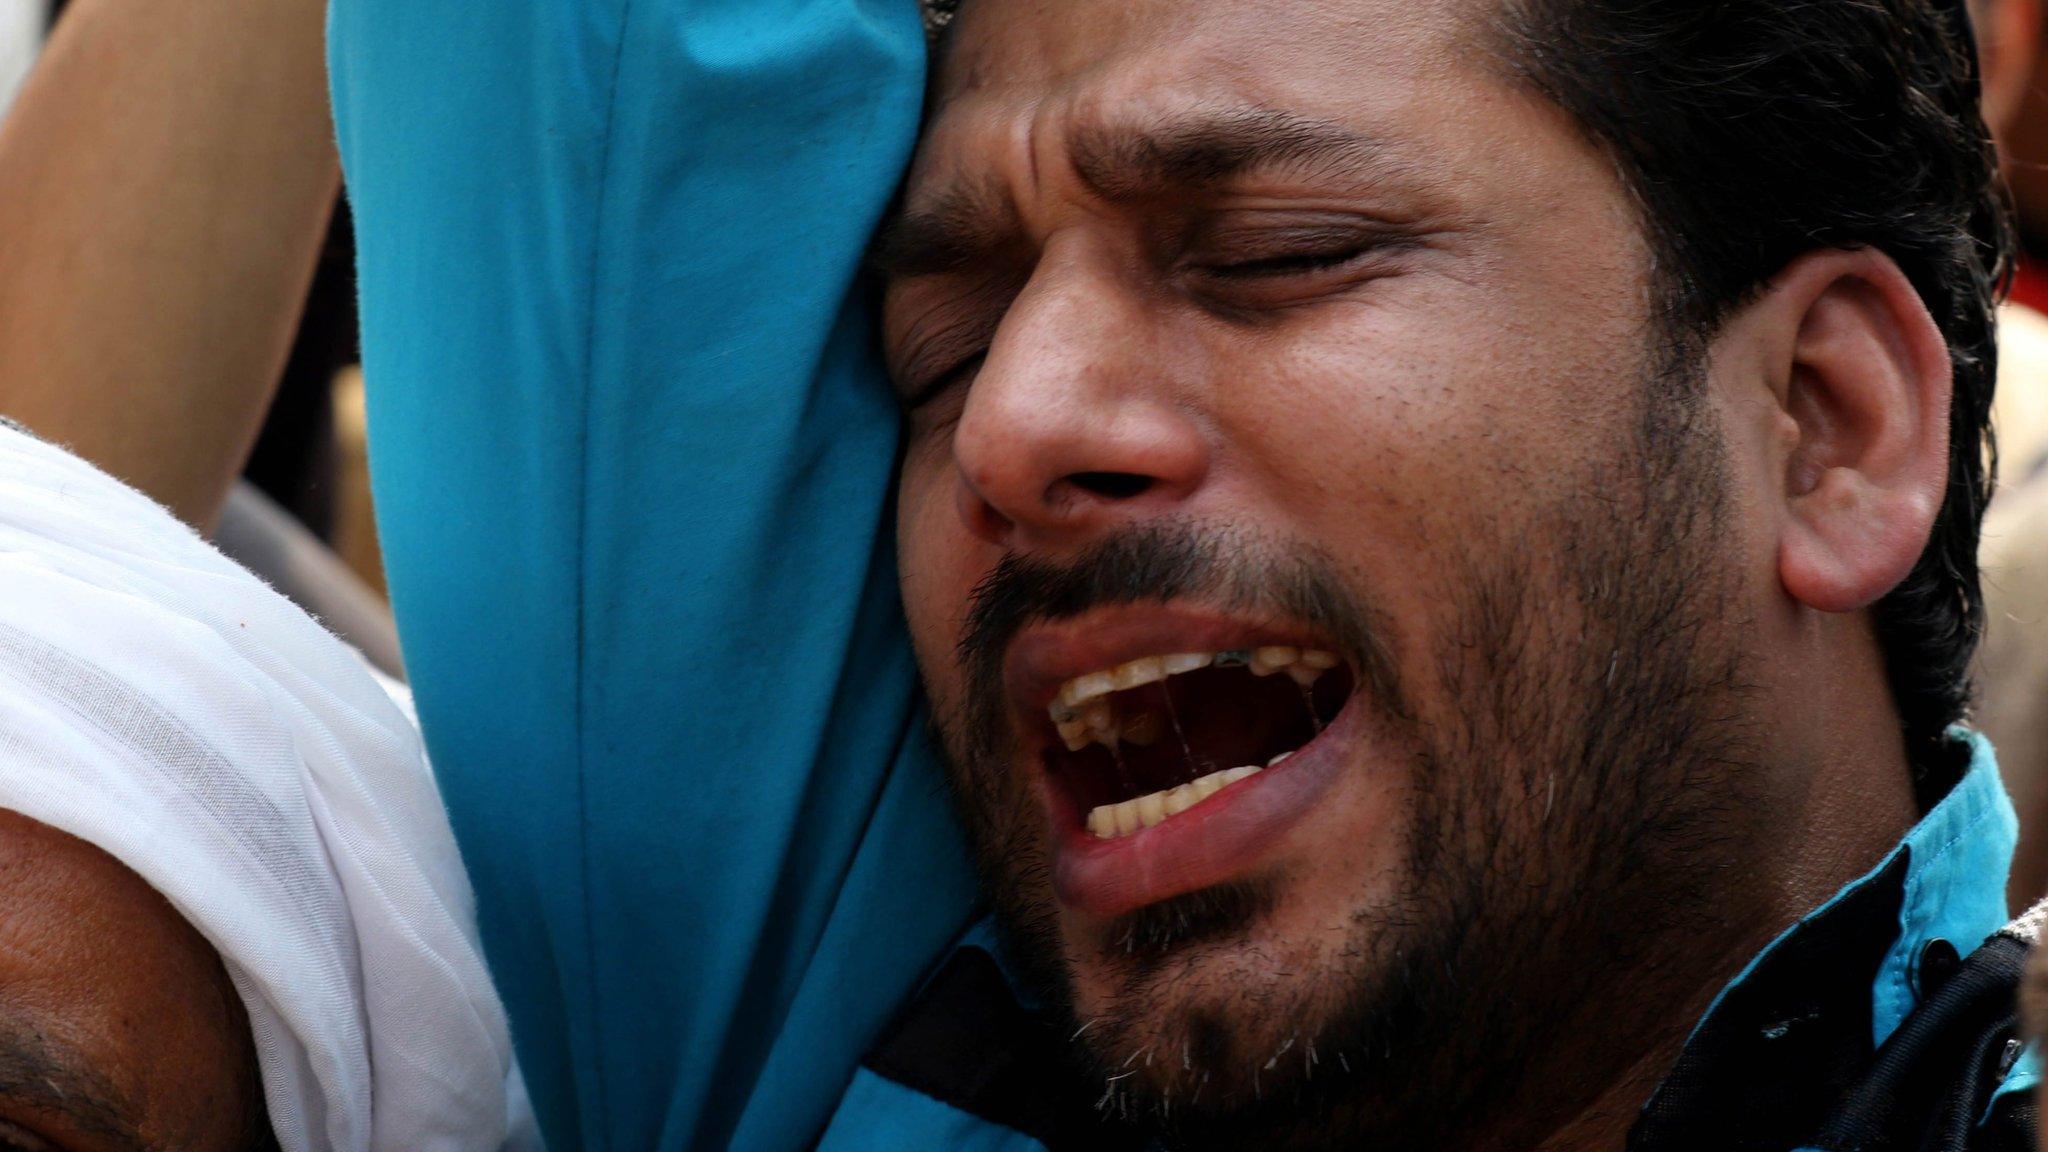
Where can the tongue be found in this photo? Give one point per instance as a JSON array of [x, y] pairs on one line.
[[1195, 724]]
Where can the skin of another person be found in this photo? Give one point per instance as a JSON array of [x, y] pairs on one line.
[[2012, 28], [2008, 49], [1223, 322], [169, 172], [119, 1029]]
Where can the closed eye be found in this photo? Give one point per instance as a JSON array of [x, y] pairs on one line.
[[937, 386], [1293, 263], [13, 1139], [1256, 267]]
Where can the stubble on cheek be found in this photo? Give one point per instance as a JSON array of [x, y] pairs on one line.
[[1565, 736]]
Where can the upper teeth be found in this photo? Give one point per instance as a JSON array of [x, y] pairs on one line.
[[1069, 713], [1266, 661]]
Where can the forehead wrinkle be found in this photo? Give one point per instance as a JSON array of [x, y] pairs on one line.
[[970, 216], [1122, 162]]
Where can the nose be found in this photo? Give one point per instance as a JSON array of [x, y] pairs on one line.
[[1074, 422]]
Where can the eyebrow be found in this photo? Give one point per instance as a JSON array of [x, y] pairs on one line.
[[50, 1077], [967, 220], [1205, 149]]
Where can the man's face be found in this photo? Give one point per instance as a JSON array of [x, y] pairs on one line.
[[1301, 333], [118, 1027]]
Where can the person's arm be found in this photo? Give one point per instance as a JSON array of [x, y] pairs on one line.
[[166, 176]]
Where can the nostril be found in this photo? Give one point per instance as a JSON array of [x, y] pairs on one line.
[[1111, 485]]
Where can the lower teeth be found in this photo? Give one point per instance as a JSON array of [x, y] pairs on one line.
[[1113, 821]]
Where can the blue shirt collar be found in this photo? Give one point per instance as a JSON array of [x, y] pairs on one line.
[[1957, 859]]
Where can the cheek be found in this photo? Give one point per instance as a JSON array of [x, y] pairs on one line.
[[1414, 451], [1432, 409], [936, 568]]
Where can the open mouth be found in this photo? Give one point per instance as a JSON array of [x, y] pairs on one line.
[[1141, 743]]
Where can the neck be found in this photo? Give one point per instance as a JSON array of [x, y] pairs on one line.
[[1663, 1003], [1847, 809], [1604, 1125]]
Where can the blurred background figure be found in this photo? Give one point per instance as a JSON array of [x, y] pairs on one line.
[[2014, 663]]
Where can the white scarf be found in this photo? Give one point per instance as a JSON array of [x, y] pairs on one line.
[[160, 702]]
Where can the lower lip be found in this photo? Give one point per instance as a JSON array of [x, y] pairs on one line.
[[1216, 841]]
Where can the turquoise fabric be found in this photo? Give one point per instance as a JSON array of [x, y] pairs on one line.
[[632, 457], [1960, 856]]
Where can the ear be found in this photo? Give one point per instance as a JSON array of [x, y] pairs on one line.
[[1861, 377]]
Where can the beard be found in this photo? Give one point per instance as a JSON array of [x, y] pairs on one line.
[[1575, 778]]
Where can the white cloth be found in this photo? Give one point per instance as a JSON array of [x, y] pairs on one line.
[[21, 38], [158, 701]]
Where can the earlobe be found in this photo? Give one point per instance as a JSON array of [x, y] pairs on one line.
[[1868, 397]]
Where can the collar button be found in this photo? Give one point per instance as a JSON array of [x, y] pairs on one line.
[[1939, 961]]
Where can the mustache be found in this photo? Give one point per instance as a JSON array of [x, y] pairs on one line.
[[1239, 571]]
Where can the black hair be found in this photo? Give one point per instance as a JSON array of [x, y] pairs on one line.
[[1750, 131]]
